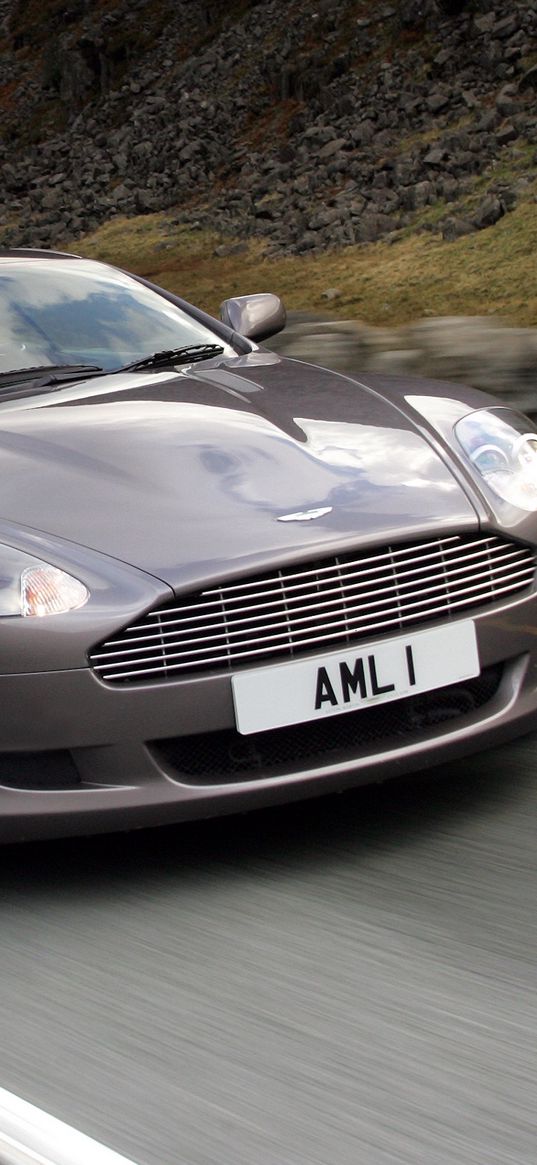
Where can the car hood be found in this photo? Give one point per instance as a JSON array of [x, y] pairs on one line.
[[187, 474]]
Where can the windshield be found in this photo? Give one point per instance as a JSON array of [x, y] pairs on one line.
[[78, 312]]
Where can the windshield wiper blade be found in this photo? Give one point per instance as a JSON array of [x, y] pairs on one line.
[[188, 354], [48, 374]]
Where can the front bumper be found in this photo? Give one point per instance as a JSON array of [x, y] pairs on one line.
[[100, 751]]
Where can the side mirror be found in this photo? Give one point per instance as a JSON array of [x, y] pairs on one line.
[[255, 316]]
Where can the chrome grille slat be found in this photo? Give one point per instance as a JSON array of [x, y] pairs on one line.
[[392, 619], [341, 600], [320, 613], [363, 559], [217, 604], [239, 618], [247, 655]]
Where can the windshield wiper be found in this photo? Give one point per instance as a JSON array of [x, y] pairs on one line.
[[48, 374], [188, 354]]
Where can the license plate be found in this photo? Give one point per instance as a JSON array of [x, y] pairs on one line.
[[375, 673]]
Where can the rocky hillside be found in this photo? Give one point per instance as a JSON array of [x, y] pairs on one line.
[[311, 124]]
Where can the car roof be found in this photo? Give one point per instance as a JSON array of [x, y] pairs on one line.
[[34, 253]]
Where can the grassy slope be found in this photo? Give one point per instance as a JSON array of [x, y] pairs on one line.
[[491, 272]]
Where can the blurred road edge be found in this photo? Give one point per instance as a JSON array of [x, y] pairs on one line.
[[29, 1136]]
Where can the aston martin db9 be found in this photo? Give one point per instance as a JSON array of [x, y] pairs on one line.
[[229, 579]]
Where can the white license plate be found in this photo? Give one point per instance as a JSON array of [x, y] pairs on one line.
[[374, 673]]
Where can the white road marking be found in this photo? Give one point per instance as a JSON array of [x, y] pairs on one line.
[[29, 1136]]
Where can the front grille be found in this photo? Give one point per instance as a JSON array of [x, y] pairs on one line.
[[329, 603], [220, 757]]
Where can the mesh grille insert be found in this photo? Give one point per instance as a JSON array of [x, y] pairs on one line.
[[316, 606], [220, 757]]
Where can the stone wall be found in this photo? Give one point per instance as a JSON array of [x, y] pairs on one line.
[[472, 349]]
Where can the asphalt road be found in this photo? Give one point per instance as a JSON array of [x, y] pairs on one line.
[[351, 981]]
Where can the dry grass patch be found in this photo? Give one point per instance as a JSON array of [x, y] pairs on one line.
[[390, 282]]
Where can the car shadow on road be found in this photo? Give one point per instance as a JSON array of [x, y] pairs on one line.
[[456, 797]]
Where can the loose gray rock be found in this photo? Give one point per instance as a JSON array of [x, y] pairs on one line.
[[507, 133], [490, 211], [304, 141], [528, 79], [455, 228]]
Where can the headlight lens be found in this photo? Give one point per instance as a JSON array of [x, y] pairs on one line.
[[502, 446], [31, 587]]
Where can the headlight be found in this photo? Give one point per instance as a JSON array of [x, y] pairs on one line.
[[31, 587], [502, 446]]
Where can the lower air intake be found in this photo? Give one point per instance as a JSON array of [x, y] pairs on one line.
[[220, 757], [38, 771]]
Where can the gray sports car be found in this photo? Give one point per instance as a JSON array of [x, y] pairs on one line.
[[228, 579]]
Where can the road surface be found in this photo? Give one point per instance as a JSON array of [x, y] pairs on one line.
[[349, 981]]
